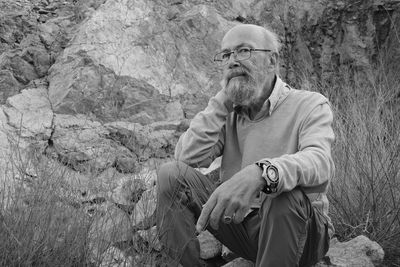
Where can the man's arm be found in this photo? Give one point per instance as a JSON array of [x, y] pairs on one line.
[[204, 140], [312, 165]]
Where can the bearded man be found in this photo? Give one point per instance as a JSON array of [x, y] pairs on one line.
[[275, 142]]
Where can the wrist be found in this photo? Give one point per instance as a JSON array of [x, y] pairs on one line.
[[257, 175], [270, 175]]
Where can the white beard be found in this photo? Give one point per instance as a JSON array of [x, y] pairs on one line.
[[241, 90]]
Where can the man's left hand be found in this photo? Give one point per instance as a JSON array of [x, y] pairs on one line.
[[232, 198]]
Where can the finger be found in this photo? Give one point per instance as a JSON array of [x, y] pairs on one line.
[[231, 208], [217, 213], [205, 214], [239, 215]]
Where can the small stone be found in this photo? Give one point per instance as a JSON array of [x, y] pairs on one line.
[[151, 237], [209, 245]]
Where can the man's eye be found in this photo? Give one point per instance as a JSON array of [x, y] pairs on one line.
[[226, 55], [243, 50]]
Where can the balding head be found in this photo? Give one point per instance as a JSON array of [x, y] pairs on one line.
[[257, 36], [250, 60]]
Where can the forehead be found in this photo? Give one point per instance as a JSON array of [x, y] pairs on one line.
[[249, 35]]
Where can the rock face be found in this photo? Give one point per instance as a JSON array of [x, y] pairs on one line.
[[102, 89]]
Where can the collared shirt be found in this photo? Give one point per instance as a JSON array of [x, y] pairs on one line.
[[293, 130], [278, 94]]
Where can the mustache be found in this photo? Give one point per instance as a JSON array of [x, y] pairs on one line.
[[235, 73]]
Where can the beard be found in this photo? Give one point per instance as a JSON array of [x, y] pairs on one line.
[[241, 89]]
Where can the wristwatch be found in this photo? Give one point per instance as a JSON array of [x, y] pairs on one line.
[[271, 176]]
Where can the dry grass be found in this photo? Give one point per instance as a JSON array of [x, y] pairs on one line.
[[365, 194], [45, 222]]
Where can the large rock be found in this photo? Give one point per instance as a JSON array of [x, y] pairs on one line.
[[359, 251], [78, 85], [82, 144], [126, 73], [30, 113], [9, 86], [162, 44]]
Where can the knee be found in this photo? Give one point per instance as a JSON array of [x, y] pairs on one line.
[[293, 204], [169, 176]]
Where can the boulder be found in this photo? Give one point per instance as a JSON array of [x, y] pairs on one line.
[[30, 114], [79, 85], [82, 144], [359, 251], [9, 86], [23, 71]]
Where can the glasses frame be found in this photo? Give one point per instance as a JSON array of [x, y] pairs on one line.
[[235, 52]]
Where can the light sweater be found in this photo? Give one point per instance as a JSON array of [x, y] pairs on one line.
[[293, 130]]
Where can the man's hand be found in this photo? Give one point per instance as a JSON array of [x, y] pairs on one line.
[[232, 198]]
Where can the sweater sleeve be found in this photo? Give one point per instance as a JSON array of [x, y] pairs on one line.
[[312, 166], [204, 140]]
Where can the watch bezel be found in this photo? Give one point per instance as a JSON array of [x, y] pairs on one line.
[[271, 185]]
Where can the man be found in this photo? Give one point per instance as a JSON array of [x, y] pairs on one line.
[[275, 142]]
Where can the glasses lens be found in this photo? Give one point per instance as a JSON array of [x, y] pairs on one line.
[[243, 53], [222, 58]]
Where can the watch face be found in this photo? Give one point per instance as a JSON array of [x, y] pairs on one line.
[[271, 172]]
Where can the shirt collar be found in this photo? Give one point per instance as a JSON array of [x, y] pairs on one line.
[[279, 93]]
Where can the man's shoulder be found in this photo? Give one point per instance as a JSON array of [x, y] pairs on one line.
[[308, 97]]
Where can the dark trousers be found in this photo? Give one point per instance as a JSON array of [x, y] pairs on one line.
[[285, 231]]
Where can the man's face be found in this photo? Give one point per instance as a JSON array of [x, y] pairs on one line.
[[244, 80]]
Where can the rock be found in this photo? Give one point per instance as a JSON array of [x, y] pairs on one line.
[[39, 58], [144, 210], [153, 141], [15, 24], [82, 144], [128, 75], [115, 258], [210, 247], [150, 57], [359, 251], [239, 262], [30, 113], [151, 237], [9, 86], [22, 70], [129, 191], [78, 85]]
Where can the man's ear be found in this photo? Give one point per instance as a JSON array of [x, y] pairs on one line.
[[273, 61]]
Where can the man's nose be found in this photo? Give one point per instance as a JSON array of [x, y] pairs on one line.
[[233, 62]]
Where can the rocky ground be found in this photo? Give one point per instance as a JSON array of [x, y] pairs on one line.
[[102, 89]]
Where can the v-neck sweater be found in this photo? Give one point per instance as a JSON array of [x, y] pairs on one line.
[[293, 130]]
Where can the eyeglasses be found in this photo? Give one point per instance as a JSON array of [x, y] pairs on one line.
[[242, 53]]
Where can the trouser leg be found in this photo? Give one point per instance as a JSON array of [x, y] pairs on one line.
[[181, 192], [286, 231], [240, 238], [292, 232]]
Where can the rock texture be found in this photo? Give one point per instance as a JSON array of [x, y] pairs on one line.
[[98, 91], [359, 251]]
